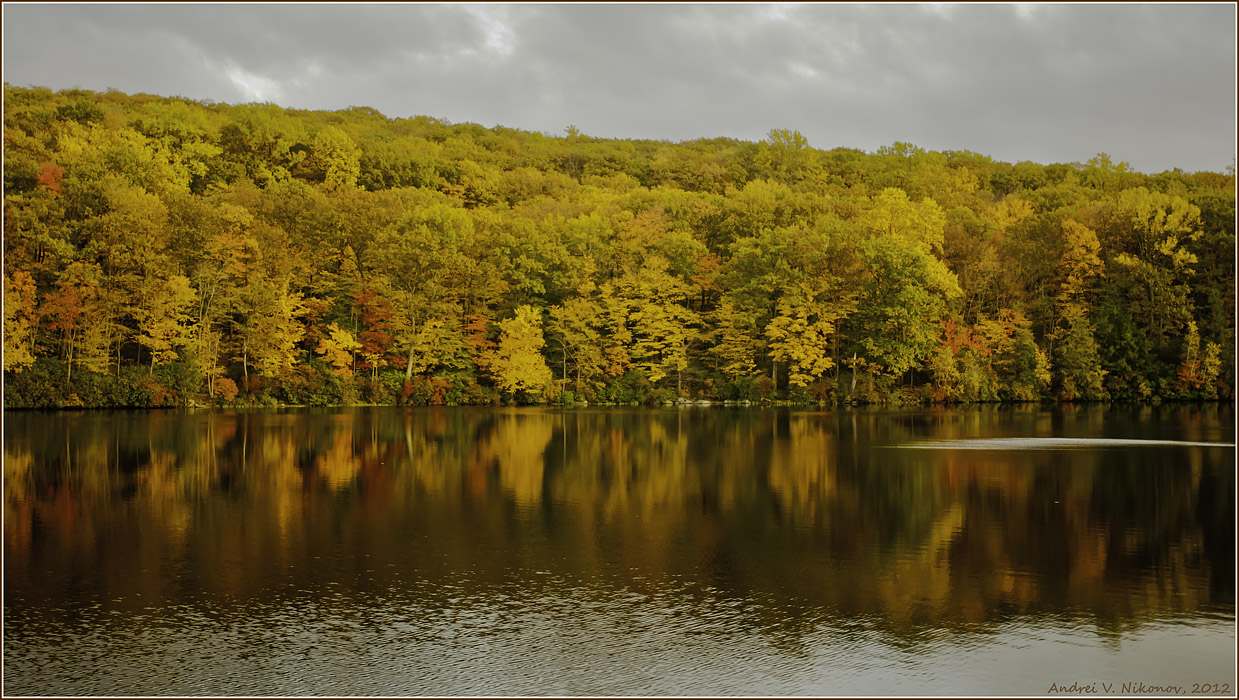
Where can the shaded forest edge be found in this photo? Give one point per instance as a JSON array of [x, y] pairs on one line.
[[164, 252]]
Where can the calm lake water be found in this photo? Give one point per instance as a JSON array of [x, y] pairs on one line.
[[704, 551]]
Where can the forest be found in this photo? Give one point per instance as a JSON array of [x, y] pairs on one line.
[[168, 252]]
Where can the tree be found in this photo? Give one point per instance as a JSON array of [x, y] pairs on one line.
[[441, 342], [705, 260], [376, 322], [38, 237], [902, 302], [1197, 377], [1080, 262], [1020, 366], [659, 326], [422, 258], [1076, 357], [219, 252], [102, 308], [892, 214], [50, 176], [338, 348], [1210, 369], [801, 335], [65, 309], [737, 340], [574, 325], [271, 327], [163, 316], [1150, 230], [20, 320], [517, 363], [801, 263], [789, 156]]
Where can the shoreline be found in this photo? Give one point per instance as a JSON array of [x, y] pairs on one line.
[[685, 404]]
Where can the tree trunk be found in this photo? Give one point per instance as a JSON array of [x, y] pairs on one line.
[[834, 353], [408, 370], [564, 386]]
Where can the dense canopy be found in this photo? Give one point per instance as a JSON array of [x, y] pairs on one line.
[[160, 251]]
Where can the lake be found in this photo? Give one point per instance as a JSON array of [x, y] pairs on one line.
[[692, 551]]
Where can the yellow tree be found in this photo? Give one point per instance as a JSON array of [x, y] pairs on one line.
[[338, 348], [101, 305], [1078, 361], [1080, 262], [20, 320], [218, 244], [617, 337], [664, 330], [163, 316], [801, 335], [574, 325], [1198, 374], [892, 214], [272, 327], [437, 342], [336, 158], [516, 362], [661, 327], [423, 258], [737, 340]]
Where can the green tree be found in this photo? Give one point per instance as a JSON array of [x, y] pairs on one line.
[[1076, 357], [1154, 265]]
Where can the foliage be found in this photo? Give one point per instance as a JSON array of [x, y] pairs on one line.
[[158, 250], [516, 361]]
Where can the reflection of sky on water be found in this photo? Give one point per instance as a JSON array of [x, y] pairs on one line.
[[597, 640], [1050, 444]]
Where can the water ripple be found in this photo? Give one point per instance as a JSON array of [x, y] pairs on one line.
[[582, 640]]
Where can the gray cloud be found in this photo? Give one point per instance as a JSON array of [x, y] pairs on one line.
[[1150, 84]]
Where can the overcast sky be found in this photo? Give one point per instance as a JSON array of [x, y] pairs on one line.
[[1153, 85]]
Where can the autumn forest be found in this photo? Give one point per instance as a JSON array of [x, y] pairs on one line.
[[164, 252]]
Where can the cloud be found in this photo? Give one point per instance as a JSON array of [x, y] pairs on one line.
[[255, 87], [1150, 84]]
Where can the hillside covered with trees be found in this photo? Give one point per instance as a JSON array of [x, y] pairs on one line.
[[161, 250]]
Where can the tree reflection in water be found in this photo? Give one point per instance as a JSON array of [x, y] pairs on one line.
[[803, 510]]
